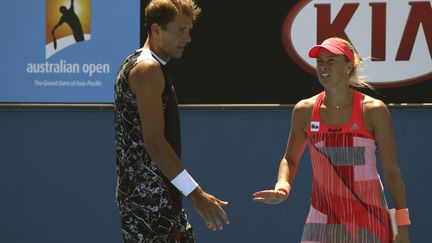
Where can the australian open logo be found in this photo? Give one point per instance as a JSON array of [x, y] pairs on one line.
[[67, 23]]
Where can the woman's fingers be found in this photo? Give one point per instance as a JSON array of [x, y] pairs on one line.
[[269, 196]]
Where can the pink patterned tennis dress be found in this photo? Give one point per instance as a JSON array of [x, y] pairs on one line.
[[347, 197]]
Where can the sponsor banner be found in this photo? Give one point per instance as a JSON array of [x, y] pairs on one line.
[[396, 36], [257, 53], [69, 51], [65, 51]]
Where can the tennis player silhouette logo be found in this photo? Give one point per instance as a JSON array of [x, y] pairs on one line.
[[67, 23]]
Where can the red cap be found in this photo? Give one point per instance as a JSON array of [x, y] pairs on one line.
[[335, 46]]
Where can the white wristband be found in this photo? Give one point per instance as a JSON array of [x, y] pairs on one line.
[[184, 182]]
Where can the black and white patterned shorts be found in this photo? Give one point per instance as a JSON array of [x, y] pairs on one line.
[[141, 226], [151, 209]]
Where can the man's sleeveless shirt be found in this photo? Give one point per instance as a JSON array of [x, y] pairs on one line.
[[132, 157]]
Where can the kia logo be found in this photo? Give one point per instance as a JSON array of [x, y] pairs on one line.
[[395, 37]]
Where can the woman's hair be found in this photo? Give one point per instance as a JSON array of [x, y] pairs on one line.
[[355, 79], [163, 12]]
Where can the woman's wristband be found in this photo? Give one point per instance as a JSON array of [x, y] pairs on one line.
[[184, 182], [283, 186], [402, 217]]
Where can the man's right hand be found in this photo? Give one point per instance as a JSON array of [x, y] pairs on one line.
[[209, 208]]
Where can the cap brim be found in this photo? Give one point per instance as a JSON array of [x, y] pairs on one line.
[[313, 52]]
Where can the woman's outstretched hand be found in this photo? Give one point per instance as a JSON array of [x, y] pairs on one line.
[[270, 196]]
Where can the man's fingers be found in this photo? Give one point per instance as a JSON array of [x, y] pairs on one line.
[[207, 219], [213, 216], [221, 203], [210, 222], [210, 209], [225, 216], [222, 213], [217, 220], [218, 213]]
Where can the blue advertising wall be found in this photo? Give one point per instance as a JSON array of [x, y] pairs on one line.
[[83, 72], [58, 173]]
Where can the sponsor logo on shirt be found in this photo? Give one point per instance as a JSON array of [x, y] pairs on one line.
[[315, 125], [335, 130], [354, 127]]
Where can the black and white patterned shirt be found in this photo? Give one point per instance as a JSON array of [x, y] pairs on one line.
[[137, 173]]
